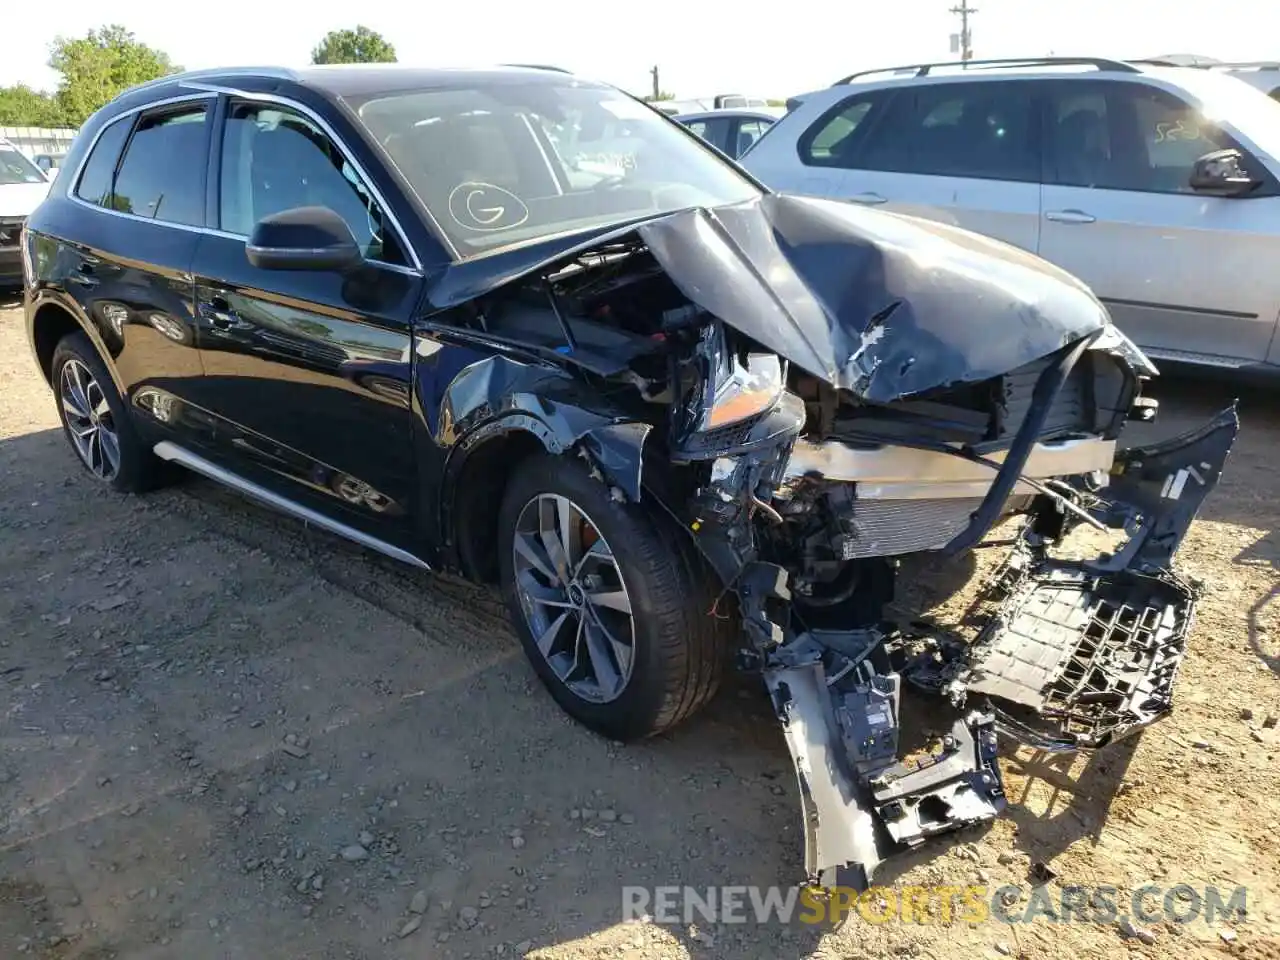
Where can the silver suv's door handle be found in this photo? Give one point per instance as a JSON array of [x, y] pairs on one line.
[[1070, 216], [868, 199]]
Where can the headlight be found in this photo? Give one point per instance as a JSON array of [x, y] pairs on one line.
[[742, 390], [1112, 340]]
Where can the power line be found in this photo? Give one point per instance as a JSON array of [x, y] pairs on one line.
[[964, 11]]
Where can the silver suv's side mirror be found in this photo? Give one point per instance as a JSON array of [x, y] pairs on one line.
[[1222, 173]]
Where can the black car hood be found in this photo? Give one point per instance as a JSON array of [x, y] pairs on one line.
[[876, 303]]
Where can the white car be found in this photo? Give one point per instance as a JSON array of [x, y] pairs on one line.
[[1158, 186], [22, 186]]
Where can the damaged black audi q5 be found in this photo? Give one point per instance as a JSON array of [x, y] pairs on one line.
[[520, 326]]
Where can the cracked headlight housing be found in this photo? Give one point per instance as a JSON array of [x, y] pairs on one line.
[[738, 387]]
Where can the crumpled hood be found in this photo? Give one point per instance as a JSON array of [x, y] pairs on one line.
[[876, 303]]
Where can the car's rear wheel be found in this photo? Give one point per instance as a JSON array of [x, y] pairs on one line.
[[96, 420], [612, 607]]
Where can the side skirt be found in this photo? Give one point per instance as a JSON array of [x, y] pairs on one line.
[[167, 450]]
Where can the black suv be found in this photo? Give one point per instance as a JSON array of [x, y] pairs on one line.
[[519, 325]]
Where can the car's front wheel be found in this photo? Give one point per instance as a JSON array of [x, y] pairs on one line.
[[96, 420], [612, 607]]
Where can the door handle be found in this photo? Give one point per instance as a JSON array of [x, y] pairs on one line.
[[1070, 216], [220, 314], [868, 199]]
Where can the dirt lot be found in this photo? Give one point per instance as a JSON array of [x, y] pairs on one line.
[[225, 736]]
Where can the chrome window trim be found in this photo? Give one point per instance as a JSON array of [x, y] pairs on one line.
[[211, 93], [73, 191], [319, 121]]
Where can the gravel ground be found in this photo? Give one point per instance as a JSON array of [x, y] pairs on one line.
[[225, 736]]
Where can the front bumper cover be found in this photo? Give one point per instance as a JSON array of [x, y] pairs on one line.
[[1077, 655]]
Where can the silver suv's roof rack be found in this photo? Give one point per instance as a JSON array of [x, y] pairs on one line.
[[1211, 64], [1246, 65], [923, 69], [537, 66]]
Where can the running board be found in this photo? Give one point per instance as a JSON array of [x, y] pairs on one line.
[[167, 450]]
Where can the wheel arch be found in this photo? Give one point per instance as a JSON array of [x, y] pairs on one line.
[[479, 469], [51, 320]]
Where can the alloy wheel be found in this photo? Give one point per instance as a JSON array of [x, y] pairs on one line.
[[89, 420], [573, 598]]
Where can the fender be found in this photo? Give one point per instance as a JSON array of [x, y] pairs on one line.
[[46, 296], [500, 394]]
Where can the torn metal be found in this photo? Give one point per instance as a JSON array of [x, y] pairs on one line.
[[811, 391]]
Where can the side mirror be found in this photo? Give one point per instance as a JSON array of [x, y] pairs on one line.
[[304, 238], [1222, 174]]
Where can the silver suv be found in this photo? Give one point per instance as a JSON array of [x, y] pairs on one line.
[[1158, 186]]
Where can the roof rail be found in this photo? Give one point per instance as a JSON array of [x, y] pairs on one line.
[[922, 69], [1212, 64], [1246, 64], [537, 66]]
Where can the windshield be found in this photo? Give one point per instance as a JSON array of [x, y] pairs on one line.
[[508, 163], [1229, 100], [15, 168]]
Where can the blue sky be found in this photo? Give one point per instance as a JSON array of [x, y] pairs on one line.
[[701, 48]]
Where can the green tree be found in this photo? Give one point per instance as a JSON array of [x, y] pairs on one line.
[[360, 45], [100, 65], [20, 106], [662, 95]]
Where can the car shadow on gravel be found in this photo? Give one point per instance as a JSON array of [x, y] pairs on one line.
[[712, 803]]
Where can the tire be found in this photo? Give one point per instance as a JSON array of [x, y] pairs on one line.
[[679, 651], [136, 468]]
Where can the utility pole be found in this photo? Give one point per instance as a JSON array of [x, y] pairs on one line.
[[657, 90], [964, 11]]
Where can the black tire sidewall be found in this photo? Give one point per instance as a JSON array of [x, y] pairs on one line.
[[137, 463], [634, 713]]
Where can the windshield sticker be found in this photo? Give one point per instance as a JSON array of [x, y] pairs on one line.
[[1177, 130], [626, 109], [485, 208]]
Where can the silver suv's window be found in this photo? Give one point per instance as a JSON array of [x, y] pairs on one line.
[[1126, 136], [985, 130], [833, 140], [509, 163]]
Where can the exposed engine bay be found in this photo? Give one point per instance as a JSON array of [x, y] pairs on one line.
[[814, 419]]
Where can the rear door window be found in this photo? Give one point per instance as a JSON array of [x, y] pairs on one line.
[[162, 175], [986, 130]]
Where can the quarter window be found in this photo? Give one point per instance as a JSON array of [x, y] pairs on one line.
[[831, 141], [100, 168], [162, 174], [274, 160], [974, 130]]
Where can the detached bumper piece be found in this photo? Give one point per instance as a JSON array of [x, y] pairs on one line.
[[1083, 659], [1077, 655], [838, 699], [1084, 653]]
